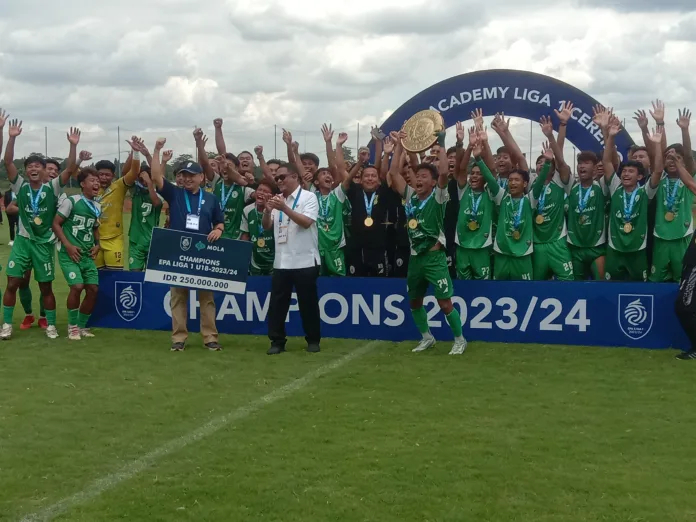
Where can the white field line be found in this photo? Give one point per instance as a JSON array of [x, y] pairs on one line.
[[131, 469]]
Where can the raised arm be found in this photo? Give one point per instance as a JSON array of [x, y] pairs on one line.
[[489, 178], [3, 119], [154, 197], [545, 173], [684, 121], [658, 114], [686, 177], [258, 150], [157, 174], [561, 165], [442, 164], [387, 151], [642, 120], [376, 134], [201, 141], [563, 116], [219, 137], [12, 133], [659, 166], [73, 139], [398, 183], [328, 134], [502, 127], [609, 151]]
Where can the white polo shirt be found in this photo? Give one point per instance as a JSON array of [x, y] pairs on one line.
[[302, 247]]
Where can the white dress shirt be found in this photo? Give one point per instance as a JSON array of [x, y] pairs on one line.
[[302, 247]]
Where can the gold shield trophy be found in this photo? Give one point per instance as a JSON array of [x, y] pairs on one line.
[[421, 130]]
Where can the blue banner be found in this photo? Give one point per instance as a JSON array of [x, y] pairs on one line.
[[186, 259], [637, 315], [516, 93]]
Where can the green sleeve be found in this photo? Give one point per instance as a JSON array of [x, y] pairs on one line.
[[491, 182], [541, 179]]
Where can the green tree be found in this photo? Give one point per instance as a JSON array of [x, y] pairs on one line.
[[348, 154]]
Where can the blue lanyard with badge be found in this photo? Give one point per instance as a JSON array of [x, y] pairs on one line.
[[226, 196], [193, 220], [282, 228], [35, 199]]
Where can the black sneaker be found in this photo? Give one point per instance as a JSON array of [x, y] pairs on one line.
[[313, 348], [178, 347], [275, 349], [213, 347], [687, 356]]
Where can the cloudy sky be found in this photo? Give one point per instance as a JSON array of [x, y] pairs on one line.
[[161, 67]]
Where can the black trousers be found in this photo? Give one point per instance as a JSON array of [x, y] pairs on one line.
[[685, 305], [13, 221], [304, 281]]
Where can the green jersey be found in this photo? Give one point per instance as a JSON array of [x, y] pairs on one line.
[[425, 219], [233, 199], [330, 219], [673, 218], [263, 244], [37, 209], [476, 209], [81, 218], [587, 214], [144, 217], [548, 202], [628, 216]]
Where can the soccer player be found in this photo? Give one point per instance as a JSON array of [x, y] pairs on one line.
[[509, 157], [111, 197], [76, 225], [332, 238], [551, 256], [628, 215], [37, 202], [145, 215], [587, 220], [425, 204], [263, 243], [674, 221]]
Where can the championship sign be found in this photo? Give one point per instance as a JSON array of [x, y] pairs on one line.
[[185, 259]]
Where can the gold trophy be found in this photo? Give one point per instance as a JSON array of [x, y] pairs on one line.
[[421, 130]]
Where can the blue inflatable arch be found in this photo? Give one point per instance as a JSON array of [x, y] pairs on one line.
[[516, 93]]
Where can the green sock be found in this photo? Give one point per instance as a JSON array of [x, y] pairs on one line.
[[83, 319], [72, 317], [25, 299], [421, 320], [42, 310], [51, 317], [7, 313], [455, 322]]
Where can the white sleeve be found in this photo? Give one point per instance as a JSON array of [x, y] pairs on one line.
[[310, 207], [408, 194], [558, 181], [244, 227], [498, 198], [19, 181], [461, 191], [248, 194], [614, 184], [603, 186], [65, 207], [55, 186], [441, 195], [649, 190], [340, 194]]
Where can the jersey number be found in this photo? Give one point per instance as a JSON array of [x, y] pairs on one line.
[[147, 210], [81, 223]]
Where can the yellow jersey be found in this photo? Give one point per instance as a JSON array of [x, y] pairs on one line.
[[111, 201]]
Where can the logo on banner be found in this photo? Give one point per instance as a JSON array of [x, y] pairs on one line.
[[185, 243], [129, 299], [635, 315]]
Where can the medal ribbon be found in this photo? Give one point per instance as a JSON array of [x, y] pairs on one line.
[[369, 205], [92, 207], [294, 204], [411, 210], [35, 200], [503, 182], [628, 206], [582, 200], [542, 201], [517, 214], [672, 194], [226, 197], [259, 223], [188, 203], [475, 203], [324, 206]]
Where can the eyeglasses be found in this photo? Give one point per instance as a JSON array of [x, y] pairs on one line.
[[280, 177]]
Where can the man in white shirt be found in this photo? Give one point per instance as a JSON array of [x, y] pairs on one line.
[[293, 215]]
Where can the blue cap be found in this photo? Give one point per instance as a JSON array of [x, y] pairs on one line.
[[190, 167]]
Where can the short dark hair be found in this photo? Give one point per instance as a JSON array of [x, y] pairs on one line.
[[632, 163], [291, 167], [274, 162], [85, 173], [246, 152], [231, 157], [503, 150], [106, 165], [53, 162], [268, 184], [588, 155], [521, 172], [636, 148], [34, 159], [434, 172], [311, 157], [145, 168], [451, 150], [677, 147]]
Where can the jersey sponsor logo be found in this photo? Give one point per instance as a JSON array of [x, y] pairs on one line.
[[129, 299], [185, 243], [635, 315]]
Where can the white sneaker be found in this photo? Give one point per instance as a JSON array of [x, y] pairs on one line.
[[429, 342], [84, 332], [458, 347], [11, 243], [52, 332], [73, 333], [6, 332]]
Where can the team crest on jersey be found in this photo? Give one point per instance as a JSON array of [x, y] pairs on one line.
[[128, 299], [635, 315], [234, 195], [185, 243]]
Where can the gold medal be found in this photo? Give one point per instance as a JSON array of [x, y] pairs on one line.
[[540, 220], [669, 216], [422, 129], [516, 235], [369, 221], [37, 220], [326, 227], [413, 224], [261, 242], [627, 228], [473, 225]]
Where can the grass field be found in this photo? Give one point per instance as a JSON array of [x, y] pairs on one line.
[[119, 428]]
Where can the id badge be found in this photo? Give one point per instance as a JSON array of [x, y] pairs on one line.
[[192, 222], [283, 234]]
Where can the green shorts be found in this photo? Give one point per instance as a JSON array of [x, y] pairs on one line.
[[510, 268], [137, 256], [260, 271], [83, 273], [473, 263], [333, 262], [626, 266], [667, 259], [28, 255], [552, 259], [426, 269], [584, 262]]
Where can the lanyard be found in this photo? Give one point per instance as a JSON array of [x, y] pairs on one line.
[[411, 210], [475, 203], [516, 215], [672, 193], [35, 200], [542, 201], [628, 206], [323, 206], [370, 204], [294, 204], [503, 182], [226, 197], [259, 222], [92, 206], [583, 199], [200, 201]]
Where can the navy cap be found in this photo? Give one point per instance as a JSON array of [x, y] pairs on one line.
[[190, 167]]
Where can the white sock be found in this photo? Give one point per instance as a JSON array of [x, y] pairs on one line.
[[459, 339], [427, 336]]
